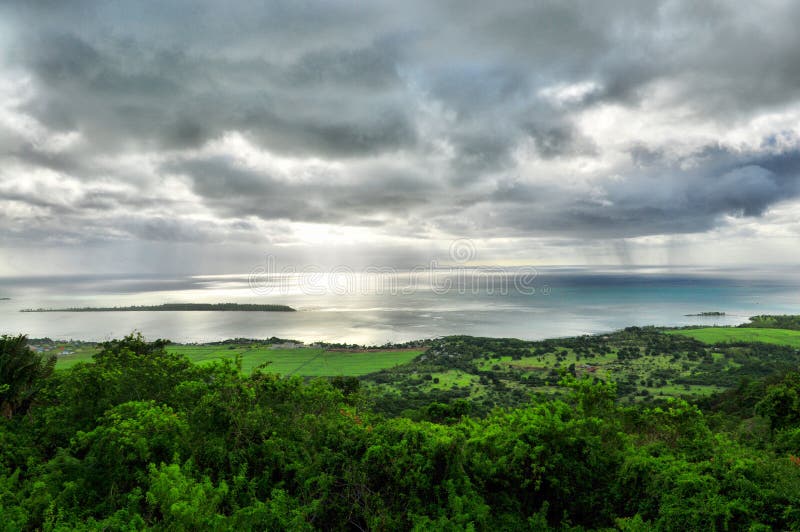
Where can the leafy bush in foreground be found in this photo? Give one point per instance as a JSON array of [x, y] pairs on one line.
[[139, 439]]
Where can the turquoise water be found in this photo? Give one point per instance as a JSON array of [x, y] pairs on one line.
[[398, 307]]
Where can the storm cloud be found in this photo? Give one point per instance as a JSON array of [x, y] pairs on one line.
[[208, 122]]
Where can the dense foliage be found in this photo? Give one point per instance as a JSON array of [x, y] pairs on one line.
[[22, 373], [646, 363], [791, 322], [143, 439]]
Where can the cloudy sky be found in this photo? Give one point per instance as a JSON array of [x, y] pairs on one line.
[[202, 136]]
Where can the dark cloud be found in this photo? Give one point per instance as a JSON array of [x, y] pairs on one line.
[[645, 156], [559, 141], [666, 200], [338, 102], [233, 189], [410, 118]]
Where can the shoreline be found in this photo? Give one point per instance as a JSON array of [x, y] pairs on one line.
[[175, 307]]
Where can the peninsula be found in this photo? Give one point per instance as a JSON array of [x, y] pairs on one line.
[[181, 307]]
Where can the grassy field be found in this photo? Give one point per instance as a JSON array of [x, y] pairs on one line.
[[716, 335], [79, 354], [305, 362]]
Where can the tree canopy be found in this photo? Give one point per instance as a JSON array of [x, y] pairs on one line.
[[140, 439]]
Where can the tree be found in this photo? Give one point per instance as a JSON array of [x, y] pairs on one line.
[[781, 403], [22, 372]]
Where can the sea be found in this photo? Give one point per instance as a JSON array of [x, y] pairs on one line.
[[379, 306]]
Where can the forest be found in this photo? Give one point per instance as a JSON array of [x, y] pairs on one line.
[[141, 438]]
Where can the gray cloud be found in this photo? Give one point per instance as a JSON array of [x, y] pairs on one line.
[[411, 118], [666, 200], [232, 189], [121, 92], [559, 141]]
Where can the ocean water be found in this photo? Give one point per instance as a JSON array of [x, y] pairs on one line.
[[378, 307]]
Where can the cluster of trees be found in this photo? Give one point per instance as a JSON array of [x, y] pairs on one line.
[[142, 439], [645, 362], [791, 322]]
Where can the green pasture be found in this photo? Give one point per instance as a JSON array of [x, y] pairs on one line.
[[452, 378], [80, 354], [306, 362], [721, 335], [547, 360]]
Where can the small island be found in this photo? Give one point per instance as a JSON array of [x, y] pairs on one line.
[[707, 314], [5, 299], [179, 307]]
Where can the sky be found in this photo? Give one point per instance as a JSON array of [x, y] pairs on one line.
[[204, 136]]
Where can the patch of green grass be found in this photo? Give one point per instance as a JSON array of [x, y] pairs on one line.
[[546, 361], [448, 379], [81, 354], [720, 335], [674, 390], [304, 361]]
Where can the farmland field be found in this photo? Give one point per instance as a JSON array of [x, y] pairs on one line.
[[306, 362], [716, 335], [80, 353]]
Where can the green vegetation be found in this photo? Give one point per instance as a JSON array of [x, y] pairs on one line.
[[308, 362], [182, 307], [727, 335], [646, 365], [22, 372], [707, 314], [303, 361], [140, 438], [65, 353], [775, 322]]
